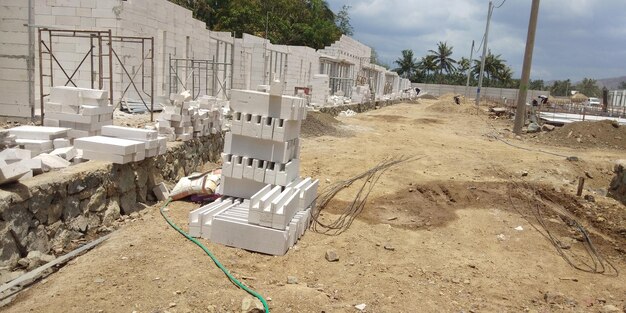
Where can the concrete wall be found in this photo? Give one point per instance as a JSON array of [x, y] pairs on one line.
[[49, 210], [510, 94], [176, 35], [14, 51]]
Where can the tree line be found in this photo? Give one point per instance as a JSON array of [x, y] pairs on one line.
[[286, 22], [438, 67]]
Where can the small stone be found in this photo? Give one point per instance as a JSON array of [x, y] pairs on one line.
[[524, 173], [466, 282], [411, 189], [501, 237], [172, 304], [588, 175], [590, 198], [519, 228], [392, 218], [573, 159], [360, 307], [615, 123], [547, 127], [98, 280], [456, 280], [554, 298], [292, 280], [389, 247], [331, 256], [251, 304], [178, 292]]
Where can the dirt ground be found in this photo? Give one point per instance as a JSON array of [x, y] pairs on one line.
[[449, 232]]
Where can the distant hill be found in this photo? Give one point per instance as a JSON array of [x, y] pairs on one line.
[[611, 83]]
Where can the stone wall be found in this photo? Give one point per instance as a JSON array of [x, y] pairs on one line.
[[358, 107], [47, 212], [617, 190]]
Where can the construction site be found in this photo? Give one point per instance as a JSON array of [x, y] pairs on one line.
[[152, 166]]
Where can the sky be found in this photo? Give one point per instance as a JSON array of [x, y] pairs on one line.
[[575, 38]]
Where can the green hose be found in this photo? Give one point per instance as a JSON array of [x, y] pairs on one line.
[[221, 267]]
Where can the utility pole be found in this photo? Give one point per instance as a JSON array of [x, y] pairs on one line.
[[482, 62], [469, 71], [520, 114]]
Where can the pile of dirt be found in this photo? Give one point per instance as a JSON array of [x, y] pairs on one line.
[[428, 97], [319, 124], [599, 134], [446, 104]]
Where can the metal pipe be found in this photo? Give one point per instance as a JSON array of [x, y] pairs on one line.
[[40, 77]]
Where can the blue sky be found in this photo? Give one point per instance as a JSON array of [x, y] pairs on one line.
[[575, 38]]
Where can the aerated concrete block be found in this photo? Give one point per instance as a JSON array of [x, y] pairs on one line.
[[38, 132], [109, 145]]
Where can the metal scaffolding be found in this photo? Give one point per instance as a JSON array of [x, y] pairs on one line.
[[340, 74], [212, 77], [99, 57]]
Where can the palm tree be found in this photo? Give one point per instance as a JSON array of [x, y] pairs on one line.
[[464, 65], [443, 59], [504, 76], [493, 64], [427, 65], [406, 64], [589, 87]]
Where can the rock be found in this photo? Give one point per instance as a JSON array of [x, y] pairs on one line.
[[72, 208], [524, 173], [37, 259], [80, 223], [579, 140], [331, 256], [292, 280], [250, 303], [128, 203], [99, 280], [112, 212], [590, 198], [125, 179], [615, 123], [389, 247], [572, 159], [610, 309], [360, 307], [501, 237], [554, 298], [97, 202], [532, 128], [23, 262], [588, 175], [547, 127]]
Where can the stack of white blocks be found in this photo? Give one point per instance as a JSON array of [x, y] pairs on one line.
[[39, 139], [361, 94], [266, 206], [320, 89], [82, 110], [183, 119], [122, 145]]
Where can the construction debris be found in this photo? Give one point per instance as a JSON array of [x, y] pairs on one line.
[[183, 119]]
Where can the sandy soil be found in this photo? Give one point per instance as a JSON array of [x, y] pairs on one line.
[[438, 234]]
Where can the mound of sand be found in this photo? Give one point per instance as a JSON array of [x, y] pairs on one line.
[[446, 104], [319, 124], [600, 134]]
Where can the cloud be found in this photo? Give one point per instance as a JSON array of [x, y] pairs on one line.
[[575, 38]]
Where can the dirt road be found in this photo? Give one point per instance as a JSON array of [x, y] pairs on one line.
[[440, 234]]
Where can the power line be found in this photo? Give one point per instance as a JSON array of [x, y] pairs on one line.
[[501, 4]]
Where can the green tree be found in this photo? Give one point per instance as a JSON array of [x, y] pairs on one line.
[[406, 64], [561, 88], [342, 19], [537, 84], [493, 65], [443, 58], [427, 66], [589, 87], [464, 65], [622, 85]]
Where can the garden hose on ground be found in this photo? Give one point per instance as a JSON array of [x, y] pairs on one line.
[[219, 265]]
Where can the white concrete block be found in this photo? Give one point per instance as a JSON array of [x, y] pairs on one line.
[[287, 172], [161, 191], [259, 171], [76, 118], [239, 188], [107, 157], [238, 166], [285, 130], [248, 168], [267, 131], [67, 153], [14, 155], [109, 145], [256, 148], [13, 172], [270, 173], [129, 133], [50, 122], [52, 162], [38, 132]]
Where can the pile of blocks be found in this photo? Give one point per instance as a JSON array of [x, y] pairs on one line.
[[40, 139], [84, 111], [320, 90], [265, 205], [183, 119], [361, 94], [122, 145]]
